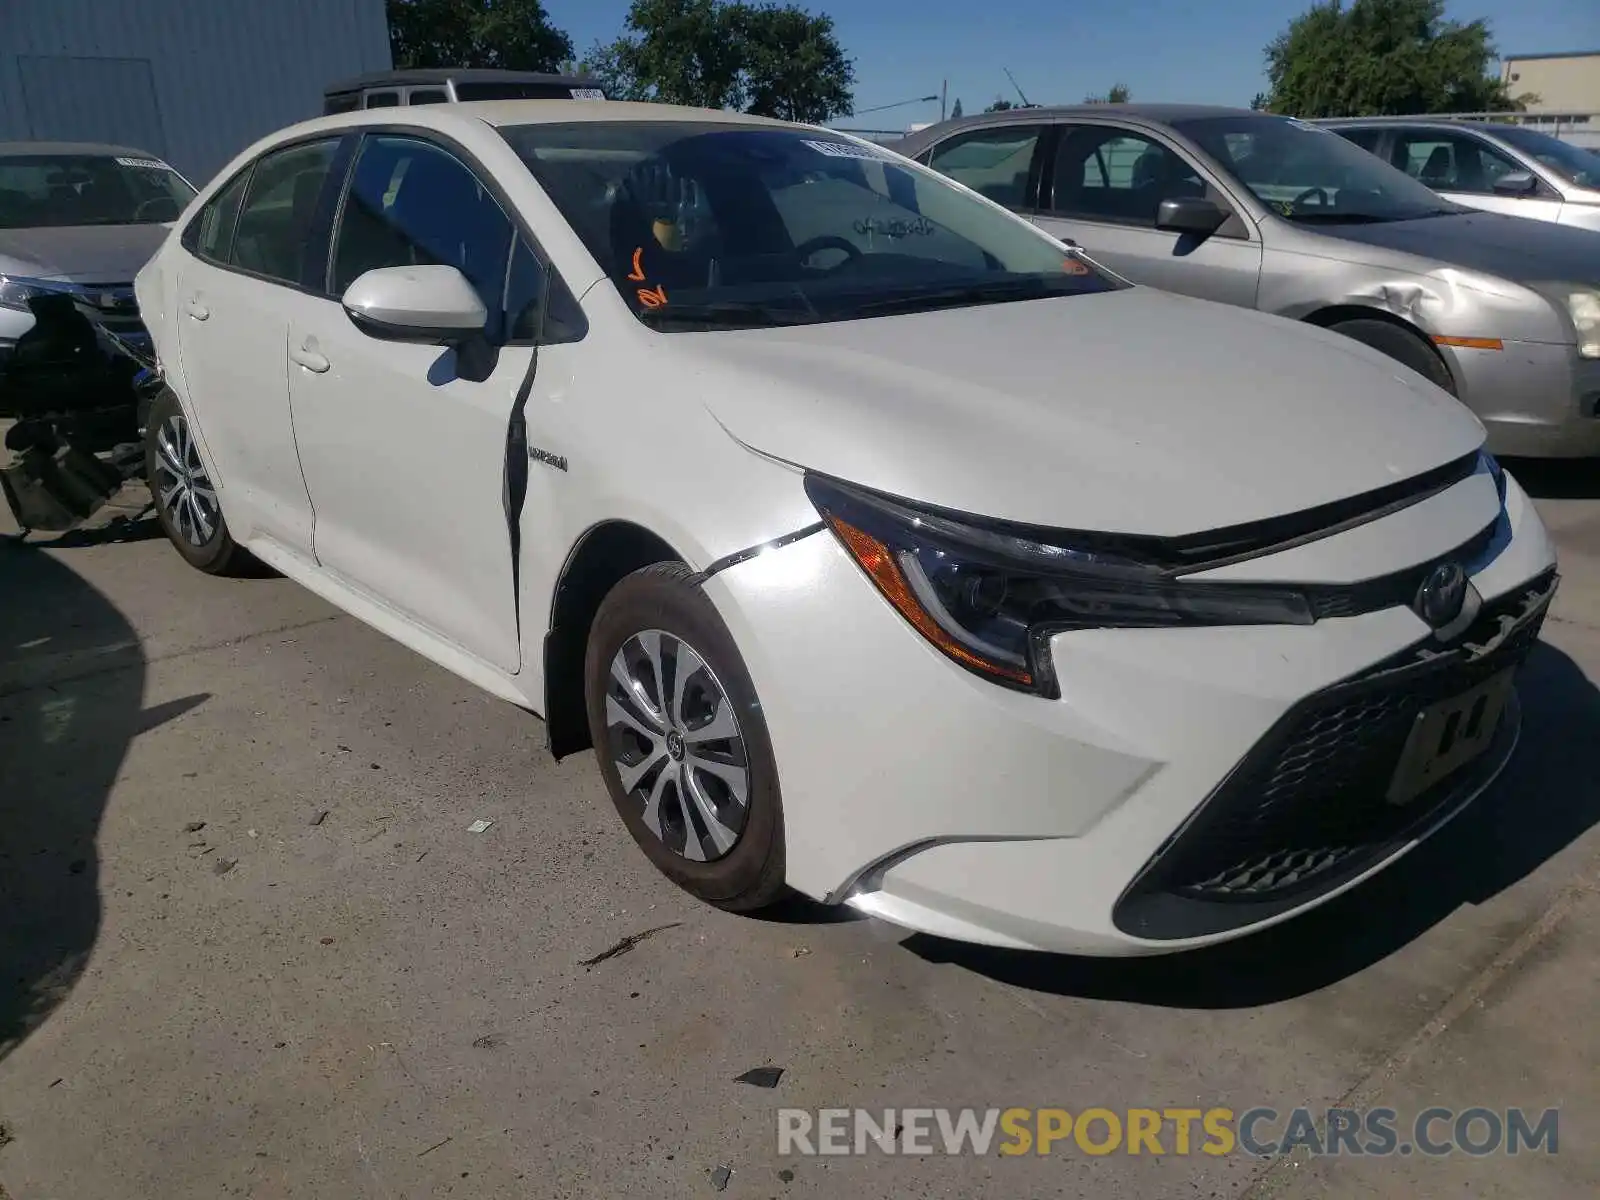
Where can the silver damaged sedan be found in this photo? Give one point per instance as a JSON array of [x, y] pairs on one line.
[[1273, 213]]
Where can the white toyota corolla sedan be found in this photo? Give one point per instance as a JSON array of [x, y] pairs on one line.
[[879, 545]]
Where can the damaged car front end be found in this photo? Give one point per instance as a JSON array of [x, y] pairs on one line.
[[75, 392]]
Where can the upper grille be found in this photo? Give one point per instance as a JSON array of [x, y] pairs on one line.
[[1308, 808]]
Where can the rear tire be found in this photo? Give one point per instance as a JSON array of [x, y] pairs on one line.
[[672, 708], [185, 498], [1401, 345]]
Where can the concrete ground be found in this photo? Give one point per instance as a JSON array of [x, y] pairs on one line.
[[249, 947]]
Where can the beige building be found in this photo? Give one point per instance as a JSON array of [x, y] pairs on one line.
[[1564, 83]]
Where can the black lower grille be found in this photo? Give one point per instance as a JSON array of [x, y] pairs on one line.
[[1308, 809]]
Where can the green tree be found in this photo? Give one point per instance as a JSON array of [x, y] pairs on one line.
[[776, 60], [956, 111], [1375, 57], [1001, 104], [513, 34], [1258, 102], [794, 67], [1119, 94]]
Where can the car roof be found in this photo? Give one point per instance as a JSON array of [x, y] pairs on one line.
[[1417, 120], [1156, 114], [1138, 114], [424, 75], [501, 113], [21, 149]]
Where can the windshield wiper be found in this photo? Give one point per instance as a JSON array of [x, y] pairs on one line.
[[955, 297], [1433, 212], [1349, 218], [733, 314]]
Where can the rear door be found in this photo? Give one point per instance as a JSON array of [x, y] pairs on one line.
[[1463, 166], [248, 256], [404, 460], [1102, 188]]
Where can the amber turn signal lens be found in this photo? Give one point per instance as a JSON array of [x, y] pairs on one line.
[[878, 561]]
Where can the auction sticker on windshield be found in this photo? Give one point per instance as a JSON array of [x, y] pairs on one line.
[[153, 164], [846, 150]]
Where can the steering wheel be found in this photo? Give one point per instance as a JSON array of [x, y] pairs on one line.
[[829, 241], [1321, 193]]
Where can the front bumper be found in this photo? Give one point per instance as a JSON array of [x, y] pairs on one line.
[[917, 792], [1536, 399]]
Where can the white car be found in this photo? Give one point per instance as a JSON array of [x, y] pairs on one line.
[[881, 546]]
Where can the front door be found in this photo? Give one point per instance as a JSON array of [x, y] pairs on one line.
[[1463, 167], [405, 461], [233, 337], [1103, 192]]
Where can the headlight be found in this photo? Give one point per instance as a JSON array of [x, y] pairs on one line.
[[16, 290], [990, 595], [1585, 310]]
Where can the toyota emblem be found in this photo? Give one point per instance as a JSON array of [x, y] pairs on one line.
[[1442, 594]]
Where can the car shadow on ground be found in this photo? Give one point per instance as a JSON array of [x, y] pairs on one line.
[[1557, 478], [141, 527], [71, 700], [1548, 797]]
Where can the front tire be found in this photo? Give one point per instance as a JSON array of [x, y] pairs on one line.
[[1401, 345], [681, 740], [185, 498]]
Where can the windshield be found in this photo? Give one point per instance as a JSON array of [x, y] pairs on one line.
[[1308, 174], [39, 191], [1572, 163], [715, 226]]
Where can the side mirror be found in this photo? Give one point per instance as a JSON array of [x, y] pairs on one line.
[[1515, 183], [1190, 214], [434, 305]]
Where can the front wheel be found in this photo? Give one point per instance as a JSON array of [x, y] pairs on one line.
[[185, 497], [681, 741], [1402, 346]]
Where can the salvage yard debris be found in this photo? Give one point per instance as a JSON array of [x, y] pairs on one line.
[[627, 944]]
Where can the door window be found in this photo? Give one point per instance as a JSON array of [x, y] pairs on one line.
[[210, 233], [382, 99], [1106, 174], [993, 162], [412, 203], [427, 96], [1449, 162], [273, 236]]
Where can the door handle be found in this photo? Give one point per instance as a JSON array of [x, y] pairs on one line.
[[196, 310], [310, 359]]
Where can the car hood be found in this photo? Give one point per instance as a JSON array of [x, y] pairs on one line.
[[81, 253], [1128, 412], [1515, 248]]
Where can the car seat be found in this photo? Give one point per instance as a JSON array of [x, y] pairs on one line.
[[1436, 171]]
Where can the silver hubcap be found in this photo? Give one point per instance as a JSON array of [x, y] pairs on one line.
[[183, 489], [677, 746]]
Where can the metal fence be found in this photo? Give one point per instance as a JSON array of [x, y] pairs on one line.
[[1581, 129]]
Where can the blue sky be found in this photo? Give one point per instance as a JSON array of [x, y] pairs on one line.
[[1061, 50]]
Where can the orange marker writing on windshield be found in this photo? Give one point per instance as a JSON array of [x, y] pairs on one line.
[[638, 270]]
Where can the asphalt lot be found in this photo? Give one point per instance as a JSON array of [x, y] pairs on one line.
[[376, 1002]]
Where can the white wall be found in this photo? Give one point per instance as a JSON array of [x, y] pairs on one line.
[[203, 77]]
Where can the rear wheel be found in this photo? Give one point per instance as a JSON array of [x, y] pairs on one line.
[[185, 497], [1401, 345], [681, 741]]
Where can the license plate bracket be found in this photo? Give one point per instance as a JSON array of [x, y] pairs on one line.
[[1448, 735]]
